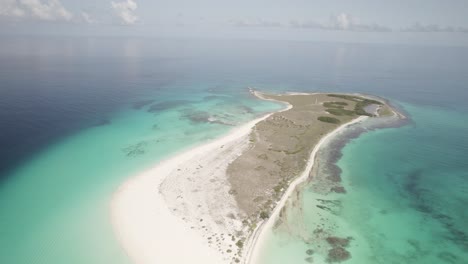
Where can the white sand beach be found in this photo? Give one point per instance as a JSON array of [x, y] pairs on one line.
[[166, 214]]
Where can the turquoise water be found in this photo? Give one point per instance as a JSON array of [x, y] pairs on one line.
[[405, 200], [69, 136], [63, 215]]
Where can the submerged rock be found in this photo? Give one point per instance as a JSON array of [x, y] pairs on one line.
[[103, 122], [448, 257], [334, 178], [167, 105], [338, 189], [338, 254], [338, 241]]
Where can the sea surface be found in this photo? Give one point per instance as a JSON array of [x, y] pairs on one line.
[[79, 116]]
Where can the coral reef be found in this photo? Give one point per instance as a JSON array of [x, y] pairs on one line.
[[338, 254]]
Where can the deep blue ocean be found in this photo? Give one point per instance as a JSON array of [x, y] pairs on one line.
[[62, 98]]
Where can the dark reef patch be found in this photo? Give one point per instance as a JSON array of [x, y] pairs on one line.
[[216, 97], [247, 109], [448, 257], [411, 185], [138, 148], [338, 189], [196, 116], [338, 254], [338, 241], [167, 105], [102, 122], [135, 150], [335, 177], [422, 200], [333, 206], [203, 117], [323, 207], [140, 104]]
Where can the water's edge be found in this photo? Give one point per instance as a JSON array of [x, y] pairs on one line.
[[326, 158]]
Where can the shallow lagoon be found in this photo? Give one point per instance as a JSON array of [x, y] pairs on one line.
[[404, 201]]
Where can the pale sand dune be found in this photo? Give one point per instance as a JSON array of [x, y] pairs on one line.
[[143, 214]]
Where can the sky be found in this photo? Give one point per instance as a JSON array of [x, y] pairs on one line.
[[402, 21]]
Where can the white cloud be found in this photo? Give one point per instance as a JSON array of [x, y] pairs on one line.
[[49, 10], [10, 8], [343, 22], [87, 18], [346, 22], [125, 10]]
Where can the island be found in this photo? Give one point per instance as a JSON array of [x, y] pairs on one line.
[[212, 203]]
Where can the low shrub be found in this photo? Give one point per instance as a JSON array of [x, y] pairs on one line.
[[328, 119]]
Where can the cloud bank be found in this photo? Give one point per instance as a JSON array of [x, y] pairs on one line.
[[47, 10], [343, 22], [346, 22], [254, 23], [87, 18], [125, 11], [418, 27]]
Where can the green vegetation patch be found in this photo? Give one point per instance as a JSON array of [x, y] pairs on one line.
[[346, 97], [340, 112], [239, 243], [335, 104], [328, 119], [264, 215], [361, 103]]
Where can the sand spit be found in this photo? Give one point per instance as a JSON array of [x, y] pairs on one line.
[[180, 211], [199, 207]]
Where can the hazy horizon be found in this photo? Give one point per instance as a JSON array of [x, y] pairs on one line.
[[398, 22]]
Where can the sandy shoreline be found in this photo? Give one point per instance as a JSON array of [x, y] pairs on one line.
[[257, 239], [143, 222], [180, 211]]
